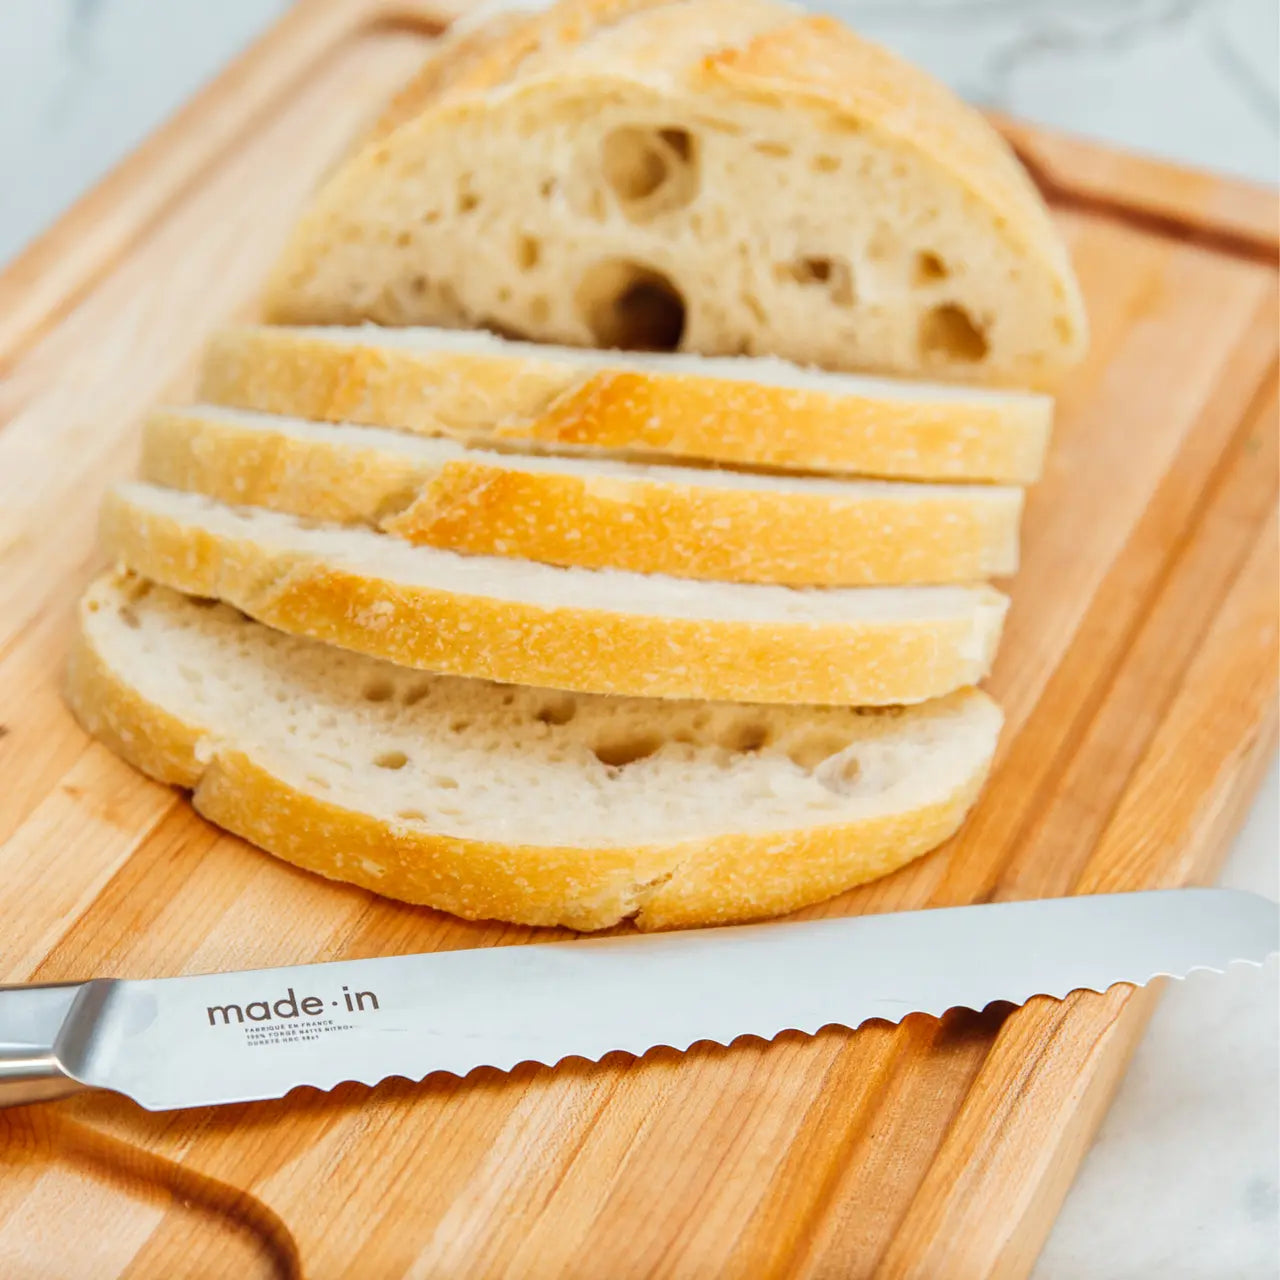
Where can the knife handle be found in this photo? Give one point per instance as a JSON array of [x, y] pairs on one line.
[[30, 1020]]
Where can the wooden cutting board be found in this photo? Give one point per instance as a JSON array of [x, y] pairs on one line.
[[1138, 674]]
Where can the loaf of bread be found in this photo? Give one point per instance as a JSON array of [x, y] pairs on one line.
[[729, 526], [680, 632], [735, 410], [719, 176], [598, 631], [520, 804]]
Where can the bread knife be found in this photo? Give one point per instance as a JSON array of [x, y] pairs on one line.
[[217, 1038]]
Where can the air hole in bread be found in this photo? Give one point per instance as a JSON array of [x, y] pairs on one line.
[[826, 164], [678, 140], [467, 201], [833, 273], [812, 749], [391, 760], [929, 268], [779, 149], [379, 689], [443, 783], [547, 188], [415, 693], [840, 776], [528, 251], [628, 305], [412, 815], [129, 618], [746, 737], [633, 168], [617, 753], [650, 171], [317, 781], [539, 309], [949, 331], [404, 239], [431, 215], [460, 726], [419, 284], [560, 711]]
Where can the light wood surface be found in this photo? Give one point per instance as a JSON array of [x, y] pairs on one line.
[[1138, 675]]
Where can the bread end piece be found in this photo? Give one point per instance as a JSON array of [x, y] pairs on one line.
[[591, 181]]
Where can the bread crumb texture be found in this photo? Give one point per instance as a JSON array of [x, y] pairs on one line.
[[499, 801], [719, 176]]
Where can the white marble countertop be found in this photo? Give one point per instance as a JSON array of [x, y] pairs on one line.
[[1182, 1183]]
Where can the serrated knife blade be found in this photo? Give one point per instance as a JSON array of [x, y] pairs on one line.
[[238, 1037]]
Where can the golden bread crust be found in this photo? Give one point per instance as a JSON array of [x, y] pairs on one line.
[[872, 663], [475, 59], [481, 505], [499, 398]]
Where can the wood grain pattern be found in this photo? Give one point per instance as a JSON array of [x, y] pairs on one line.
[[1138, 674]]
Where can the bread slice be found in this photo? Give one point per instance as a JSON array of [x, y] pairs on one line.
[[489, 800], [728, 526], [743, 411], [599, 631], [722, 176]]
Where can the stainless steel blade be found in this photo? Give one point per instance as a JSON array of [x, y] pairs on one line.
[[215, 1038]]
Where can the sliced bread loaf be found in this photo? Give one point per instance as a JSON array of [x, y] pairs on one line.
[[752, 412], [722, 176], [600, 631], [728, 526], [494, 801]]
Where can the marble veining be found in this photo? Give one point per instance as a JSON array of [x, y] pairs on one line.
[[1182, 1183]]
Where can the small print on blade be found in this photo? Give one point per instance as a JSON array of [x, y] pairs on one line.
[[291, 1019]]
